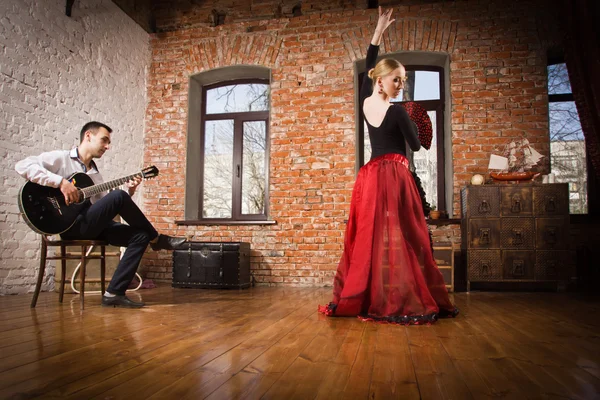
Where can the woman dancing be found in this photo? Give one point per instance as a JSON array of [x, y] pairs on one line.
[[387, 271]]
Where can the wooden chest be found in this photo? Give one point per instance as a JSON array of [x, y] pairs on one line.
[[515, 233], [212, 265]]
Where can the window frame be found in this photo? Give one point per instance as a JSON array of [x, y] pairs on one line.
[[562, 97], [429, 105], [238, 121], [557, 57]]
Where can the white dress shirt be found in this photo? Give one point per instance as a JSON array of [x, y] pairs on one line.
[[49, 169]]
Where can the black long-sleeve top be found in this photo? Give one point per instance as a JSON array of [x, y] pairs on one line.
[[396, 129]]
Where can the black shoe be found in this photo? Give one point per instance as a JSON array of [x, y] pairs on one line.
[[120, 301], [166, 242]]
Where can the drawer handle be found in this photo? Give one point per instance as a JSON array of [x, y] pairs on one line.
[[552, 268], [550, 204], [518, 268], [484, 235], [551, 235], [484, 207], [516, 204], [517, 235], [485, 268]]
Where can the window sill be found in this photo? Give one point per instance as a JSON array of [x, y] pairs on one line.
[[443, 221], [224, 222]]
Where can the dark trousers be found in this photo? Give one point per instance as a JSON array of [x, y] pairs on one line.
[[96, 222]]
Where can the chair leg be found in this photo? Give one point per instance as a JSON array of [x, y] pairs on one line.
[[38, 285], [63, 268], [82, 276], [103, 268]]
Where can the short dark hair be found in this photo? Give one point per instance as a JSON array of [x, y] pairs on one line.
[[92, 126]]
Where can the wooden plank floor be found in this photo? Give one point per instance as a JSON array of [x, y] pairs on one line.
[[271, 343]]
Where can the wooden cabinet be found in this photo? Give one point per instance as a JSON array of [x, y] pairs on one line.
[[515, 233], [443, 253]]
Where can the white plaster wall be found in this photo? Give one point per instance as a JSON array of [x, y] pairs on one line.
[[56, 74]]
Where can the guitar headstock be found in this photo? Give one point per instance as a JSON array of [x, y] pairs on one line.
[[149, 172]]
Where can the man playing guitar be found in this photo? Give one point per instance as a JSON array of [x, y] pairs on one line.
[[96, 221]]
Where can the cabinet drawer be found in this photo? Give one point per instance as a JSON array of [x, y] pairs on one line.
[[516, 201], [484, 265], [484, 233], [518, 264], [481, 201], [517, 233], [551, 199], [551, 233], [551, 265]]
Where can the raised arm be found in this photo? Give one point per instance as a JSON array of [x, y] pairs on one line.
[[383, 23], [366, 89]]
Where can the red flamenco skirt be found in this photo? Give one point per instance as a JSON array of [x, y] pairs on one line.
[[387, 272]]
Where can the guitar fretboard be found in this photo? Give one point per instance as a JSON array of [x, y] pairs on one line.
[[102, 187]]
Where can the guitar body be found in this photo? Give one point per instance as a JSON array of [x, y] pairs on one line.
[[44, 208]]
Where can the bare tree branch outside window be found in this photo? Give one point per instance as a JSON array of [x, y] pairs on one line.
[[567, 145], [237, 98], [220, 173], [253, 184], [218, 169]]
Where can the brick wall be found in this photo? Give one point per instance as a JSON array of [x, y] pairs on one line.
[[498, 92], [56, 73]]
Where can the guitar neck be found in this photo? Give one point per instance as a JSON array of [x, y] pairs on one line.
[[102, 187]]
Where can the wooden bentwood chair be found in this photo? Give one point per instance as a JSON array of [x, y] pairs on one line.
[[82, 255]]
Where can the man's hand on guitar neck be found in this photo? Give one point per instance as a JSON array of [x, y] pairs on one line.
[[70, 192], [133, 184]]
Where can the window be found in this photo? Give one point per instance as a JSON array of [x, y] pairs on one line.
[[567, 144], [425, 86], [234, 144]]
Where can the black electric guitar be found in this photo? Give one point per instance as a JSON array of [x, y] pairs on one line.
[[44, 208]]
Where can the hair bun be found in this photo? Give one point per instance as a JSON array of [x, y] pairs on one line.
[[370, 73]]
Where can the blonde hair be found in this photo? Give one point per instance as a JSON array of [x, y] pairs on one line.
[[384, 67]]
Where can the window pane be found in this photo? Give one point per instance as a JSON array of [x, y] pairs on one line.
[[558, 79], [426, 163], [237, 98], [564, 121], [366, 144], [421, 85], [218, 169], [254, 165], [567, 152]]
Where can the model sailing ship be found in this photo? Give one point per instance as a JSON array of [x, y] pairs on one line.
[[516, 163]]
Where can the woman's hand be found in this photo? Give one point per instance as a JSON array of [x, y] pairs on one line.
[[385, 20]]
